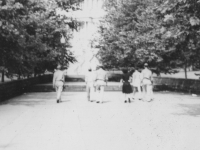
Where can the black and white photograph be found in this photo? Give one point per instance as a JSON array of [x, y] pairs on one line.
[[99, 74]]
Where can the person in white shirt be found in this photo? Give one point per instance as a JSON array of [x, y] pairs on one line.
[[101, 82], [90, 80], [147, 81], [136, 83], [58, 82]]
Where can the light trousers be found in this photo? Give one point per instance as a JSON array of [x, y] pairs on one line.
[[147, 92], [59, 89], [137, 89], [100, 93], [90, 90]]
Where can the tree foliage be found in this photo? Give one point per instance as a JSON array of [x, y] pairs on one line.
[[163, 33], [126, 34], [30, 33], [180, 31]]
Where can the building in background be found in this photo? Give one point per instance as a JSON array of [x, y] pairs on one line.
[[89, 16]]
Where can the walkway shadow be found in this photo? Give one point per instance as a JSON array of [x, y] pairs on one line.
[[25, 103], [106, 102], [65, 101], [190, 109], [95, 101]]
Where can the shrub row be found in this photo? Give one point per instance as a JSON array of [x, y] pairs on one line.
[[17, 87]]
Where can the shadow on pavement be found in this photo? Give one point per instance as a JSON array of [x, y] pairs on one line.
[[65, 101], [26, 103], [190, 109], [106, 101]]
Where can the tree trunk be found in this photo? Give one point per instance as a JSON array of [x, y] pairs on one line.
[[2, 77], [19, 76], [185, 70]]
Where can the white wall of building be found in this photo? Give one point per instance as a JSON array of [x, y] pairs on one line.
[[90, 14]]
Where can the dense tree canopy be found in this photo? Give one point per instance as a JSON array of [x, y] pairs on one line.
[[164, 33], [30, 33], [180, 31]]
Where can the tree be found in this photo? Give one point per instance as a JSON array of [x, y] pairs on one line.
[[163, 33], [30, 33], [180, 31], [126, 34]]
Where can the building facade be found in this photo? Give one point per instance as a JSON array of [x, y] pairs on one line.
[[90, 15]]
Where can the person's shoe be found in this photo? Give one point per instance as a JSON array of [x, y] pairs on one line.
[[150, 100], [57, 101], [125, 101], [129, 100], [98, 101]]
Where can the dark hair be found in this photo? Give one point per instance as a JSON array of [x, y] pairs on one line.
[[59, 66], [145, 65], [137, 68], [125, 71], [98, 67], [131, 72]]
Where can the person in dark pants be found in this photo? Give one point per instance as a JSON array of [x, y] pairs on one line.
[[126, 86]]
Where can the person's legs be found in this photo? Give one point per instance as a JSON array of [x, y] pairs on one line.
[[59, 91], [139, 92], [97, 95], [88, 92], [59, 88], [56, 92], [134, 91], [149, 92], [92, 89], [101, 93], [144, 89], [129, 97], [125, 97]]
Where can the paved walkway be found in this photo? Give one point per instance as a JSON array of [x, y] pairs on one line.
[[34, 121]]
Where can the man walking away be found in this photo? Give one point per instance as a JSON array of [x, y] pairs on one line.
[[101, 82], [58, 82], [90, 80], [136, 83], [147, 81]]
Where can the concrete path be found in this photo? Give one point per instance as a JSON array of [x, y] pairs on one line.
[[34, 121]]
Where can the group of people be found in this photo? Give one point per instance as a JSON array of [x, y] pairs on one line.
[[96, 80], [141, 82], [95, 83], [131, 82]]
